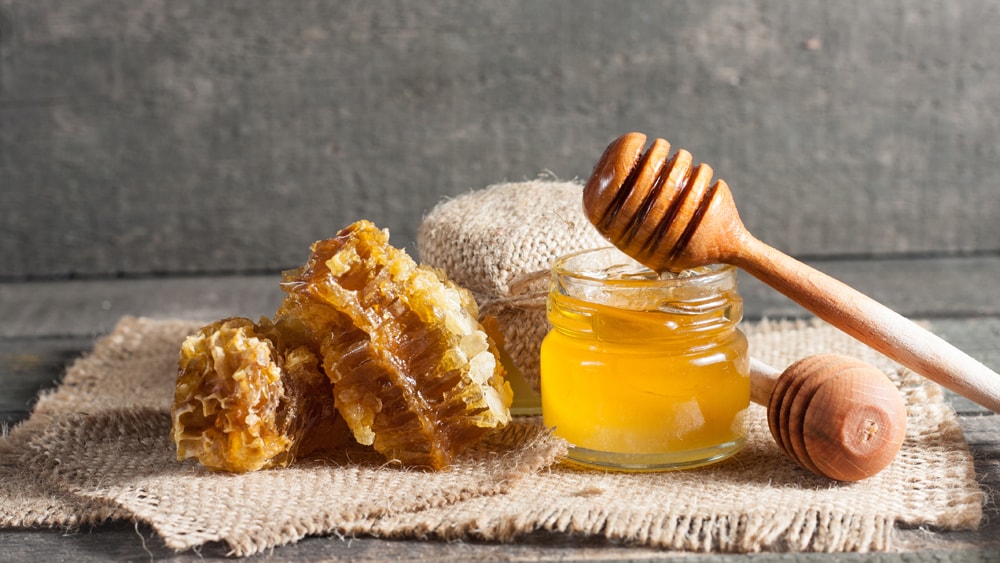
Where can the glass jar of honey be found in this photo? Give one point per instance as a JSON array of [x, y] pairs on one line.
[[644, 371]]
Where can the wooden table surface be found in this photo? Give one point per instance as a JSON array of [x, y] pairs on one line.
[[45, 325]]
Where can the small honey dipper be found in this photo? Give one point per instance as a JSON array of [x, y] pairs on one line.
[[834, 415], [668, 215]]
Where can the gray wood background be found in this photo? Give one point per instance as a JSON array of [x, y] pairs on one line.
[[154, 137]]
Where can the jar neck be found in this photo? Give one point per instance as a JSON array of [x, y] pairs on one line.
[[602, 294], [584, 319]]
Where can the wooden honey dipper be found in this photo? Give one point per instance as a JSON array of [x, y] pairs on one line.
[[834, 415], [668, 215]]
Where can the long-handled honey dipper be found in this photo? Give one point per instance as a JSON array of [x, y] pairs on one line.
[[834, 415], [667, 214]]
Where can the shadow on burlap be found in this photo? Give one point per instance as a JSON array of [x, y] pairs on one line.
[[97, 449]]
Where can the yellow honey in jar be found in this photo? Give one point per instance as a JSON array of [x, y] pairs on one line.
[[643, 371]]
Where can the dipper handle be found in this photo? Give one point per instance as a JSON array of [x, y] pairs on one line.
[[763, 378], [872, 323]]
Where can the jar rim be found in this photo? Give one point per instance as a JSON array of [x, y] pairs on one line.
[[703, 275]]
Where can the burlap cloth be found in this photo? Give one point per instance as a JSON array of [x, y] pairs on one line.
[[97, 449]]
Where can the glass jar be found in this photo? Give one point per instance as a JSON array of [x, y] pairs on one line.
[[642, 371]]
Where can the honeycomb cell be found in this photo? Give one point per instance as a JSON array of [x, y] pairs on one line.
[[251, 396], [414, 374]]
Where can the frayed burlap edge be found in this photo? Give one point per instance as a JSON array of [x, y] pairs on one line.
[[88, 385], [769, 503], [125, 458], [26, 501], [807, 531], [933, 475]]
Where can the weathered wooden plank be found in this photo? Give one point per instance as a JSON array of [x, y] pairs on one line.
[[918, 288], [188, 136], [29, 366], [914, 287], [92, 307]]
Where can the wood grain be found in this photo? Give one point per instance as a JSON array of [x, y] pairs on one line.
[[146, 137]]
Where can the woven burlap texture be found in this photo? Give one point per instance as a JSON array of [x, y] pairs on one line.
[[96, 448]]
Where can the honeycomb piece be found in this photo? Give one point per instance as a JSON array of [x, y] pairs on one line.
[[250, 397], [413, 372]]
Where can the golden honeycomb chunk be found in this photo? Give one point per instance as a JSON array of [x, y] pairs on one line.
[[250, 397], [414, 374]]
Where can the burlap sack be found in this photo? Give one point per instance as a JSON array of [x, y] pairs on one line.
[[500, 242]]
